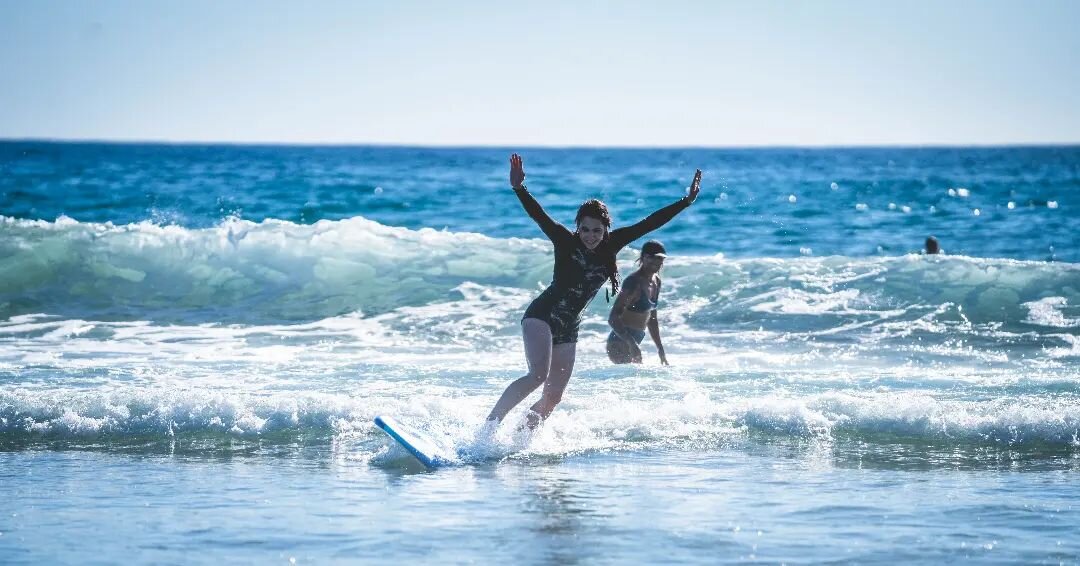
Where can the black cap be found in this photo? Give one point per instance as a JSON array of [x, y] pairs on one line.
[[654, 247]]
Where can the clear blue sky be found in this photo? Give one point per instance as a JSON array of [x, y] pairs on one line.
[[648, 73]]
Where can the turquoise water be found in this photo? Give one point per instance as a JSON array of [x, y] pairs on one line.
[[194, 342]]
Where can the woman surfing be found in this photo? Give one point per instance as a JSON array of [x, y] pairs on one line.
[[584, 260]]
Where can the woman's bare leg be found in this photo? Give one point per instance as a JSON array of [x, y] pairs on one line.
[[537, 337], [562, 365], [618, 351]]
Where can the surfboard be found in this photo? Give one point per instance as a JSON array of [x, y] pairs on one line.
[[424, 447]]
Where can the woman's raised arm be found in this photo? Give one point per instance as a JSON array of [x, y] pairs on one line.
[[622, 236], [552, 229]]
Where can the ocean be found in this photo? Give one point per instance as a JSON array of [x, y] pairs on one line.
[[194, 340]]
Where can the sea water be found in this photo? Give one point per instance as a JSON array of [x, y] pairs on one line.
[[194, 341]]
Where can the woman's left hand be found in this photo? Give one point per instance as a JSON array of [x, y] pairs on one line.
[[663, 357]]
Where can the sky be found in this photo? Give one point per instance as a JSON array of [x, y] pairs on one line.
[[584, 73]]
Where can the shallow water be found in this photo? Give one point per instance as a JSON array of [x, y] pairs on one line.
[[735, 501]]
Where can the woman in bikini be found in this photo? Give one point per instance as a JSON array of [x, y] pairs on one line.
[[584, 260], [635, 309]]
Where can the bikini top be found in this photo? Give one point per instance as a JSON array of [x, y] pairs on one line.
[[645, 303]]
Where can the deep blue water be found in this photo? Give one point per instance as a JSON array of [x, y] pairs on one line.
[[885, 200]]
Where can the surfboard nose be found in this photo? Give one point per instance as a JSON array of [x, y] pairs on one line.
[[419, 443]]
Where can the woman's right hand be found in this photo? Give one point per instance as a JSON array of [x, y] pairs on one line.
[[635, 352], [517, 172], [695, 188]]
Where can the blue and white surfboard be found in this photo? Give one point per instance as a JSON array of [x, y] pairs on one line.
[[426, 449]]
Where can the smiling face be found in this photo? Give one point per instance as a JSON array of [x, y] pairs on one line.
[[591, 231]]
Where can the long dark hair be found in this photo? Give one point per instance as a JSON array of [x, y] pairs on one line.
[[594, 208]]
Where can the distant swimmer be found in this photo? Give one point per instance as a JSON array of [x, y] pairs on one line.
[[932, 245], [635, 308], [584, 261]]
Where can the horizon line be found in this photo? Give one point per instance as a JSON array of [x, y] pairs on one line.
[[250, 143]]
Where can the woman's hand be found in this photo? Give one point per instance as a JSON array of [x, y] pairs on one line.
[[663, 356], [695, 187], [517, 172], [635, 352]]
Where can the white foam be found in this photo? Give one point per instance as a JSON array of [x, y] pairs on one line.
[[617, 414], [1048, 312], [795, 301]]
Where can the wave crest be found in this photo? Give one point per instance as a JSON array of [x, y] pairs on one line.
[[245, 272]]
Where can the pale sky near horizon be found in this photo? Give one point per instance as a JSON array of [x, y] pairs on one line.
[[673, 73]]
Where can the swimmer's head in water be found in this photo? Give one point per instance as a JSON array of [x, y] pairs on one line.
[[932, 245], [593, 222]]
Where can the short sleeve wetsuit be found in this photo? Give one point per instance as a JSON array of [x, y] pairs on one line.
[[579, 272]]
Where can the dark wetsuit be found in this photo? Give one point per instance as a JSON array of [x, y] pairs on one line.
[[579, 273]]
